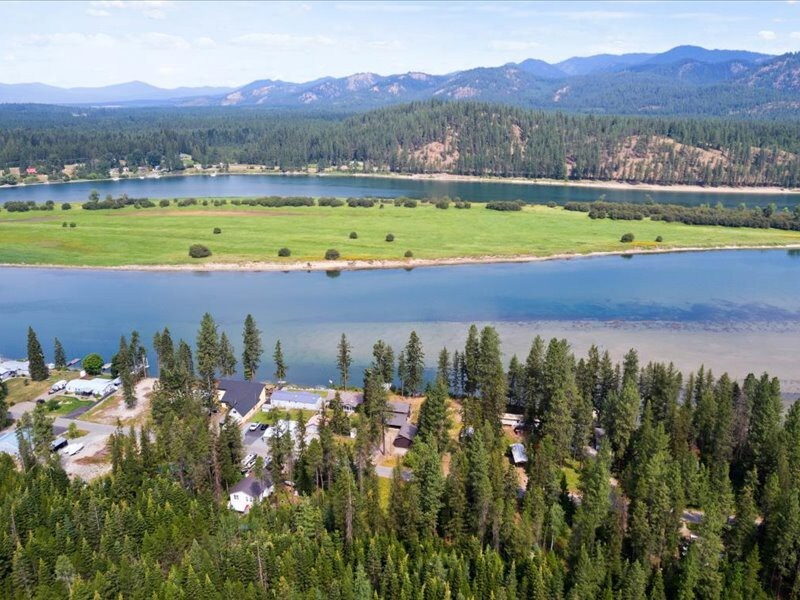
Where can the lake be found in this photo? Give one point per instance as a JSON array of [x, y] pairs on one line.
[[382, 187], [732, 310]]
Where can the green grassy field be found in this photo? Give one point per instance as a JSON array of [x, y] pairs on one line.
[[66, 404], [162, 236]]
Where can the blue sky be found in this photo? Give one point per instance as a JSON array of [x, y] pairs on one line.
[[173, 44]]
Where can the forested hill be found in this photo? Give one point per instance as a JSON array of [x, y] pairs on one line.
[[456, 137]]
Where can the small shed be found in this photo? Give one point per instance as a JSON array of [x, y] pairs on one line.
[[518, 454], [405, 437]]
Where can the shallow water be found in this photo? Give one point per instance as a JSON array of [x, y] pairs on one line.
[[732, 310], [343, 186]]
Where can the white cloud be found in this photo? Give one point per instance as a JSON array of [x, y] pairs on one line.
[[795, 35], [385, 45], [98, 12], [163, 41], [512, 45], [204, 43], [70, 39], [153, 9], [595, 15], [282, 41], [767, 34]]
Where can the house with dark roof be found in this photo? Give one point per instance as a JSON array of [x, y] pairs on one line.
[[397, 414], [406, 436], [243, 398], [248, 492]]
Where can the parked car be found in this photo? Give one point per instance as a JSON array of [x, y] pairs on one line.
[[73, 449], [253, 427], [57, 444], [263, 427]]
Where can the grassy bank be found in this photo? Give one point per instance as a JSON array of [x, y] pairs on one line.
[[162, 236]]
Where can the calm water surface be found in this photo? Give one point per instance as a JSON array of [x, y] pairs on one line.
[[738, 309], [300, 185]]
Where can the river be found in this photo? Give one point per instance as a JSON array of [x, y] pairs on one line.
[[735, 311], [383, 187]]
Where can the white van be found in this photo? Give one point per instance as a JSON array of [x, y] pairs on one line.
[[58, 386]]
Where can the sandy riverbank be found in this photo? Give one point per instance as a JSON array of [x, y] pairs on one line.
[[607, 185], [365, 264]]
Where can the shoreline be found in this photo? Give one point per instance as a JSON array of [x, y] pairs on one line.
[[452, 177], [382, 264]]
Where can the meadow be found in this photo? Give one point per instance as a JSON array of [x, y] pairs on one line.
[[163, 235]]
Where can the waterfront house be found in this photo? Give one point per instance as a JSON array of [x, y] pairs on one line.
[[351, 401], [249, 491], [13, 368], [397, 414], [294, 400], [97, 387], [242, 398]]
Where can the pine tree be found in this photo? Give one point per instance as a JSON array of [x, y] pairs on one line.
[[207, 357], [280, 365], [36, 365], [3, 405], [59, 357], [434, 423], [383, 360], [123, 363], [252, 350], [344, 361], [414, 363], [227, 357], [491, 378], [443, 366], [472, 352], [428, 475]]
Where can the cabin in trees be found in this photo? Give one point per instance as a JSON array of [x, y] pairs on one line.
[[293, 400], [405, 437], [397, 414], [249, 491], [518, 454], [13, 368], [242, 398]]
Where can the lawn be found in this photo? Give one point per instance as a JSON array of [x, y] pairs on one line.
[[162, 236], [20, 391], [65, 405]]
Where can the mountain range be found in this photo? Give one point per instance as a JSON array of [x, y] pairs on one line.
[[684, 80]]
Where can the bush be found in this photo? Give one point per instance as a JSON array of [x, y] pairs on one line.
[[332, 254], [353, 235], [659, 239], [73, 224], [626, 238], [93, 364], [462, 205], [360, 202], [64, 224], [551, 204], [199, 251], [409, 254], [205, 202], [66, 206], [504, 205], [332, 202], [163, 203], [284, 252], [444, 204], [389, 237], [217, 230]]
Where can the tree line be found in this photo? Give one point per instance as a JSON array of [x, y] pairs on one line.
[[618, 452], [483, 139]]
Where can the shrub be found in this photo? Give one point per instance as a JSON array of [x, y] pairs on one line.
[[353, 235], [66, 206], [284, 252], [360, 202], [93, 364], [332, 202], [659, 239], [163, 203], [205, 202], [64, 224], [73, 224], [626, 238], [409, 254], [52, 404], [551, 204], [199, 251], [332, 254], [462, 205], [504, 205], [389, 237], [444, 204], [217, 230]]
